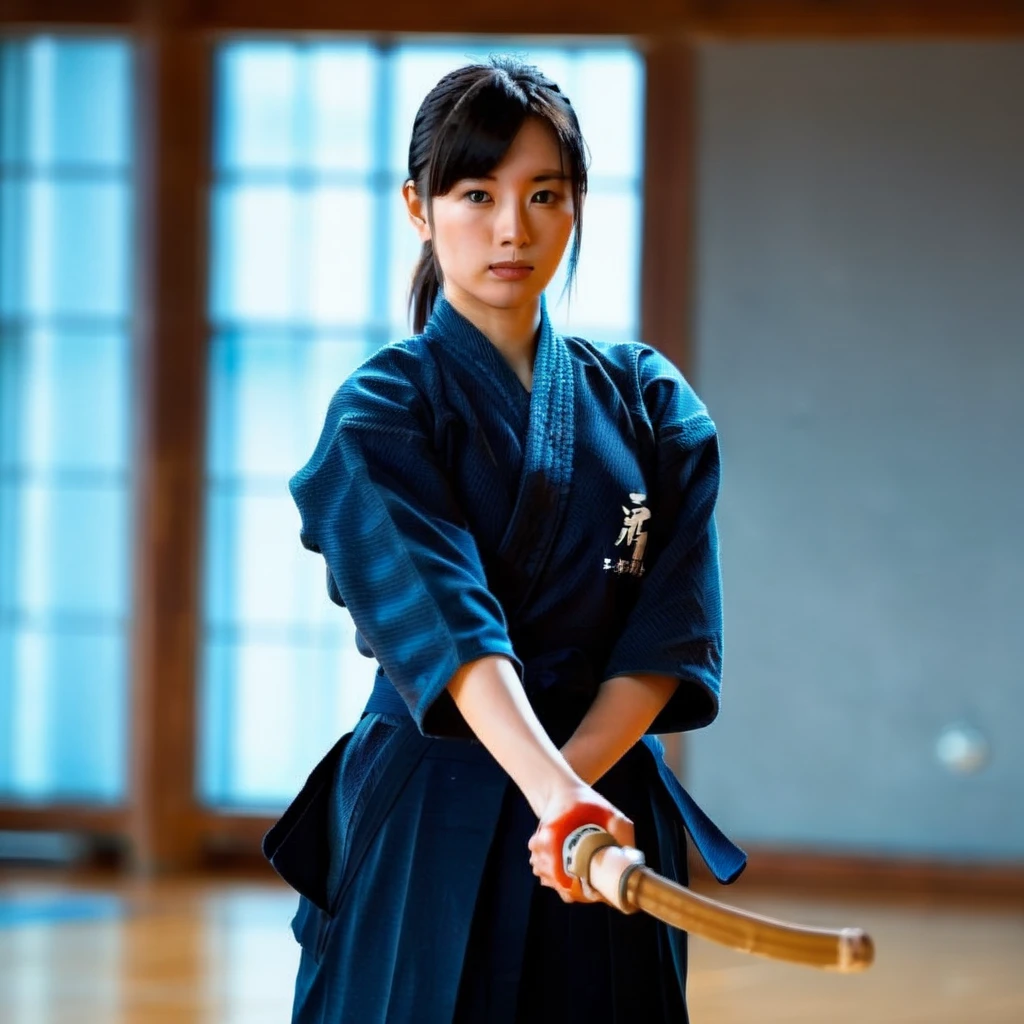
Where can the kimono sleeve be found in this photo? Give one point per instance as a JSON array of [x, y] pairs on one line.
[[675, 627], [376, 503]]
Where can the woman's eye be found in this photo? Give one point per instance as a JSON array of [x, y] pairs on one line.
[[477, 195], [545, 196]]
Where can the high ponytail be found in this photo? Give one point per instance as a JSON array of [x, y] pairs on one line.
[[425, 286]]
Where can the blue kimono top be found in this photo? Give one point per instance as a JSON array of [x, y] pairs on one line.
[[569, 529]]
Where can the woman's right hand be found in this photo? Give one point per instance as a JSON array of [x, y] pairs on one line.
[[565, 810]]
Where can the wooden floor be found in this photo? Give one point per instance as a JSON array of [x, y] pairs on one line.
[[220, 952]]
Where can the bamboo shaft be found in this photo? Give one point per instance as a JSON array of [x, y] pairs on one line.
[[845, 949], [620, 876]]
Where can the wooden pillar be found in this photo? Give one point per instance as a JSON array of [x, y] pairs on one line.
[[172, 123], [668, 257]]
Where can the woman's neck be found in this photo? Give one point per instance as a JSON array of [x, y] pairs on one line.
[[513, 332]]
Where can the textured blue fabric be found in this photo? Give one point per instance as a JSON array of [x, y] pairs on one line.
[[570, 530]]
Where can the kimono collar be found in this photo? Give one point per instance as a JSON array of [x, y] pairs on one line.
[[448, 323], [547, 470]]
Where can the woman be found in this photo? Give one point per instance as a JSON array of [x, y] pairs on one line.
[[521, 526]]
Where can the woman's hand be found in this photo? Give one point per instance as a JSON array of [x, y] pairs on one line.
[[565, 810]]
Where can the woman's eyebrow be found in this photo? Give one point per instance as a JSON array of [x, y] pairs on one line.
[[543, 176]]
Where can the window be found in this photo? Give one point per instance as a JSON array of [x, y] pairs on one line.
[[311, 260], [66, 221]]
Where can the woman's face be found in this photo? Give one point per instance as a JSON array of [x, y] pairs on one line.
[[499, 239]]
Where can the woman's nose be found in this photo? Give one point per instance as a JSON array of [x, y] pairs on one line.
[[512, 226]]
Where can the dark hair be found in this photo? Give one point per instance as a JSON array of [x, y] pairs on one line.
[[463, 129]]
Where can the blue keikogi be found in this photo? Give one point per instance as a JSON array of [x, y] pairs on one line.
[[569, 529]]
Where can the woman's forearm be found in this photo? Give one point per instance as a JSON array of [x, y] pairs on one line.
[[490, 697], [621, 713]]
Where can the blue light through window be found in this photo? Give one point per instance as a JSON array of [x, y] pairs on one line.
[[66, 210]]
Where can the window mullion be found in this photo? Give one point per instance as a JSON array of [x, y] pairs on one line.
[[174, 96]]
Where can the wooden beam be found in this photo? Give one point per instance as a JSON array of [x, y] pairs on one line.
[[234, 829], [173, 116], [721, 19], [43, 14], [232, 842], [848, 19], [458, 17], [18, 817]]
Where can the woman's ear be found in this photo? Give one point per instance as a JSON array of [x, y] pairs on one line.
[[417, 211]]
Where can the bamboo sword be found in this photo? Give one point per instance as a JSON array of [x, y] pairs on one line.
[[619, 874]]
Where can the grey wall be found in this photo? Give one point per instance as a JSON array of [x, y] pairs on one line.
[[861, 347]]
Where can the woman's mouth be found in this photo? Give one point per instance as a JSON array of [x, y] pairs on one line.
[[511, 270]]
